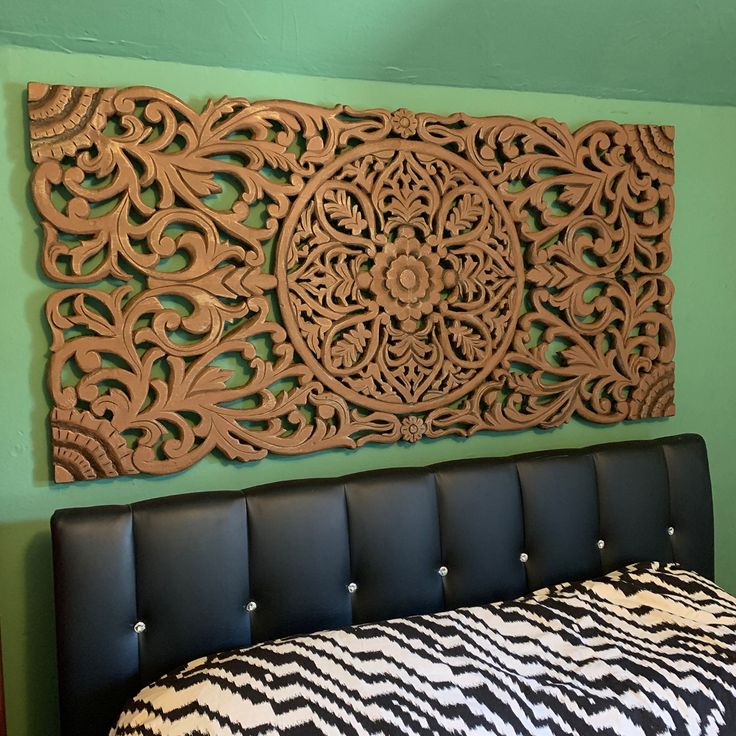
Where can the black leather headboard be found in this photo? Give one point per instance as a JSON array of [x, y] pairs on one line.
[[212, 571]]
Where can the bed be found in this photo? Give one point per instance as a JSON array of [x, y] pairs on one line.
[[168, 589]]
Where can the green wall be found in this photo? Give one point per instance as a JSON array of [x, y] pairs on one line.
[[704, 273], [674, 50]]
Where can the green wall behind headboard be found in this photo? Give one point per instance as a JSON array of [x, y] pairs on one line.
[[703, 270]]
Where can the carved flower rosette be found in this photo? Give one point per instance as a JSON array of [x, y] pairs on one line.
[[281, 277]]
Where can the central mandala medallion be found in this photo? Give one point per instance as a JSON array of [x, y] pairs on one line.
[[399, 276]]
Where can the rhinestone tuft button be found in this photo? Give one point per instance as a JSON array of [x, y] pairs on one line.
[[352, 587], [251, 606], [524, 557], [139, 627], [442, 571], [670, 530], [601, 544]]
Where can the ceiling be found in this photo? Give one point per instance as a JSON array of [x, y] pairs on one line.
[[675, 50]]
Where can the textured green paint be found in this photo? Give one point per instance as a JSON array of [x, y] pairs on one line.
[[705, 311], [676, 50]]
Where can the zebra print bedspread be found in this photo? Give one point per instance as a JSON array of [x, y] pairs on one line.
[[649, 649]]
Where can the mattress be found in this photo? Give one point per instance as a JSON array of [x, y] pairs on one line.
[[648, 649]]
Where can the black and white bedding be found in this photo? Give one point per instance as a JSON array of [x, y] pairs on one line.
[[649, 649]]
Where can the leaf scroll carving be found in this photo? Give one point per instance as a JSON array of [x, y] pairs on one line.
[[277, 277]]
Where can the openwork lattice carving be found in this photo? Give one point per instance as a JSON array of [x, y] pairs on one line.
[[280, 277]]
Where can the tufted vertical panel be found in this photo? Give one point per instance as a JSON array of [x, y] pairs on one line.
[[691, 503], [560, 502], [482, 531], [634, 498], [394, 544], [299, 558], [191, 587], [95, 597]]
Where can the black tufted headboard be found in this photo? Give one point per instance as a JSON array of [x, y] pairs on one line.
[[142, 588]]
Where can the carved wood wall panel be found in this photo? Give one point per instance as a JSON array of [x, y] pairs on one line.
[[277, 277]]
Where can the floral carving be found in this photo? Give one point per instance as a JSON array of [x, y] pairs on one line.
[[654, 397], [85, 447], [413, 428], [65, 119], [276, 277], [653, 147], [407, 279], [404, 123]]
